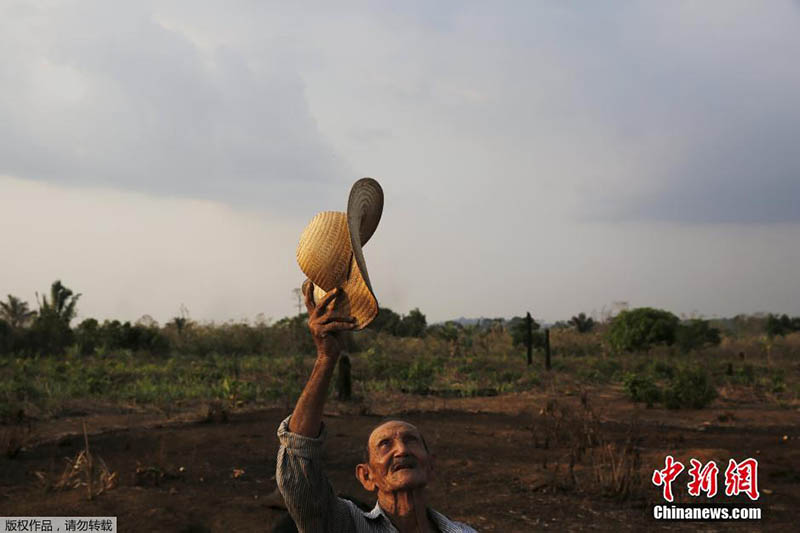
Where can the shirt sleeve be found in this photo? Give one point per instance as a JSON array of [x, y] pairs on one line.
[[306, 489]]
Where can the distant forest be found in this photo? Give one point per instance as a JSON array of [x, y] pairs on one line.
[[48, 330]]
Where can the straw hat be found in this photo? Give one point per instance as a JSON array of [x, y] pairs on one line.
[[330, 252]]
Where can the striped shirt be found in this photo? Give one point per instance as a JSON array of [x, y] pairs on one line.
[[312, 502]]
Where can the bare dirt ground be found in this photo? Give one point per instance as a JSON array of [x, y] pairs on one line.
[[493, 471]]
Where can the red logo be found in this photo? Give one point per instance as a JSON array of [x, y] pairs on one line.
[[703, 480], [666, 476], [740, 478]]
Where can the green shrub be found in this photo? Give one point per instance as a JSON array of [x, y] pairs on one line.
[[776, 383], [696, 334], [595, 369], [690, 388], [744, 375], [642, 328], [421, 374], [642, 388], [687, 387], [663, 369]]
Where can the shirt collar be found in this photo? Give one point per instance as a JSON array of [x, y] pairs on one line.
[[441, 521], [376, 512]]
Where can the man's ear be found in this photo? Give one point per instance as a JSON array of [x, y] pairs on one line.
[[364, 476], [431, 467]]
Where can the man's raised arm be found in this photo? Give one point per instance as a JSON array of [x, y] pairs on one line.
[[300, 475], [307, 416]]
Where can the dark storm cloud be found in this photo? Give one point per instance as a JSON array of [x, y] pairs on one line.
[[100, 93], [549, 156], [669, 111], [675, 111], [748, 174], [707, 98]]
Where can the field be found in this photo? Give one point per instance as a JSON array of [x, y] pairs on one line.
[[187, 443]]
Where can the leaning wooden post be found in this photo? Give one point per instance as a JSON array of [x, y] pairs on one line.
[[547, 348], [343, 382], [88, 465], [529, 336]]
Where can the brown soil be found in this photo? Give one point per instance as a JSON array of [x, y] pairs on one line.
[[491, 473]]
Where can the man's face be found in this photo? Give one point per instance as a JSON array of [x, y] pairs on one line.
[[398, 459]]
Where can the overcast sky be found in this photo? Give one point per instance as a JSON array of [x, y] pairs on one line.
[[546, 156]]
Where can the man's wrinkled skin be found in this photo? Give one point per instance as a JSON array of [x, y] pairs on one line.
[[399, 466], [399, 469]]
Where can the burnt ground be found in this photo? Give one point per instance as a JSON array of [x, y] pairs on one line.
[[496, 469]]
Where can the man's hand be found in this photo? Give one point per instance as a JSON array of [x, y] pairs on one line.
[[324, 326]]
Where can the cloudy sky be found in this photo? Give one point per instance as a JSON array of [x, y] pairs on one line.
[[547, 156]]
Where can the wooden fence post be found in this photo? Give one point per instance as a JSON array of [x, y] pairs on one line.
[[529, 336], [343, 382], [547, 348]]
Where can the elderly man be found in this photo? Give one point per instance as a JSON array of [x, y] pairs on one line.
[[398, 465]]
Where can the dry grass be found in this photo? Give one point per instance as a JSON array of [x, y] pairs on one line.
[[617, 468], [84, 470], [581, 456]]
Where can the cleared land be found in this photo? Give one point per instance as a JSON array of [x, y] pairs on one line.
[[192, 441]]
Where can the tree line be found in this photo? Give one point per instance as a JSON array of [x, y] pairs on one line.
[[48, 330]]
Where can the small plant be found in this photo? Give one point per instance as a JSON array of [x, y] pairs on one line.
[[690, 388], [744, 374], [215, 412], [85, 470], [642, 388], [777, 384]]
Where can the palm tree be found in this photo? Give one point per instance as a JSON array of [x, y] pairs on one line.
[[16, 313], [61, 304]]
